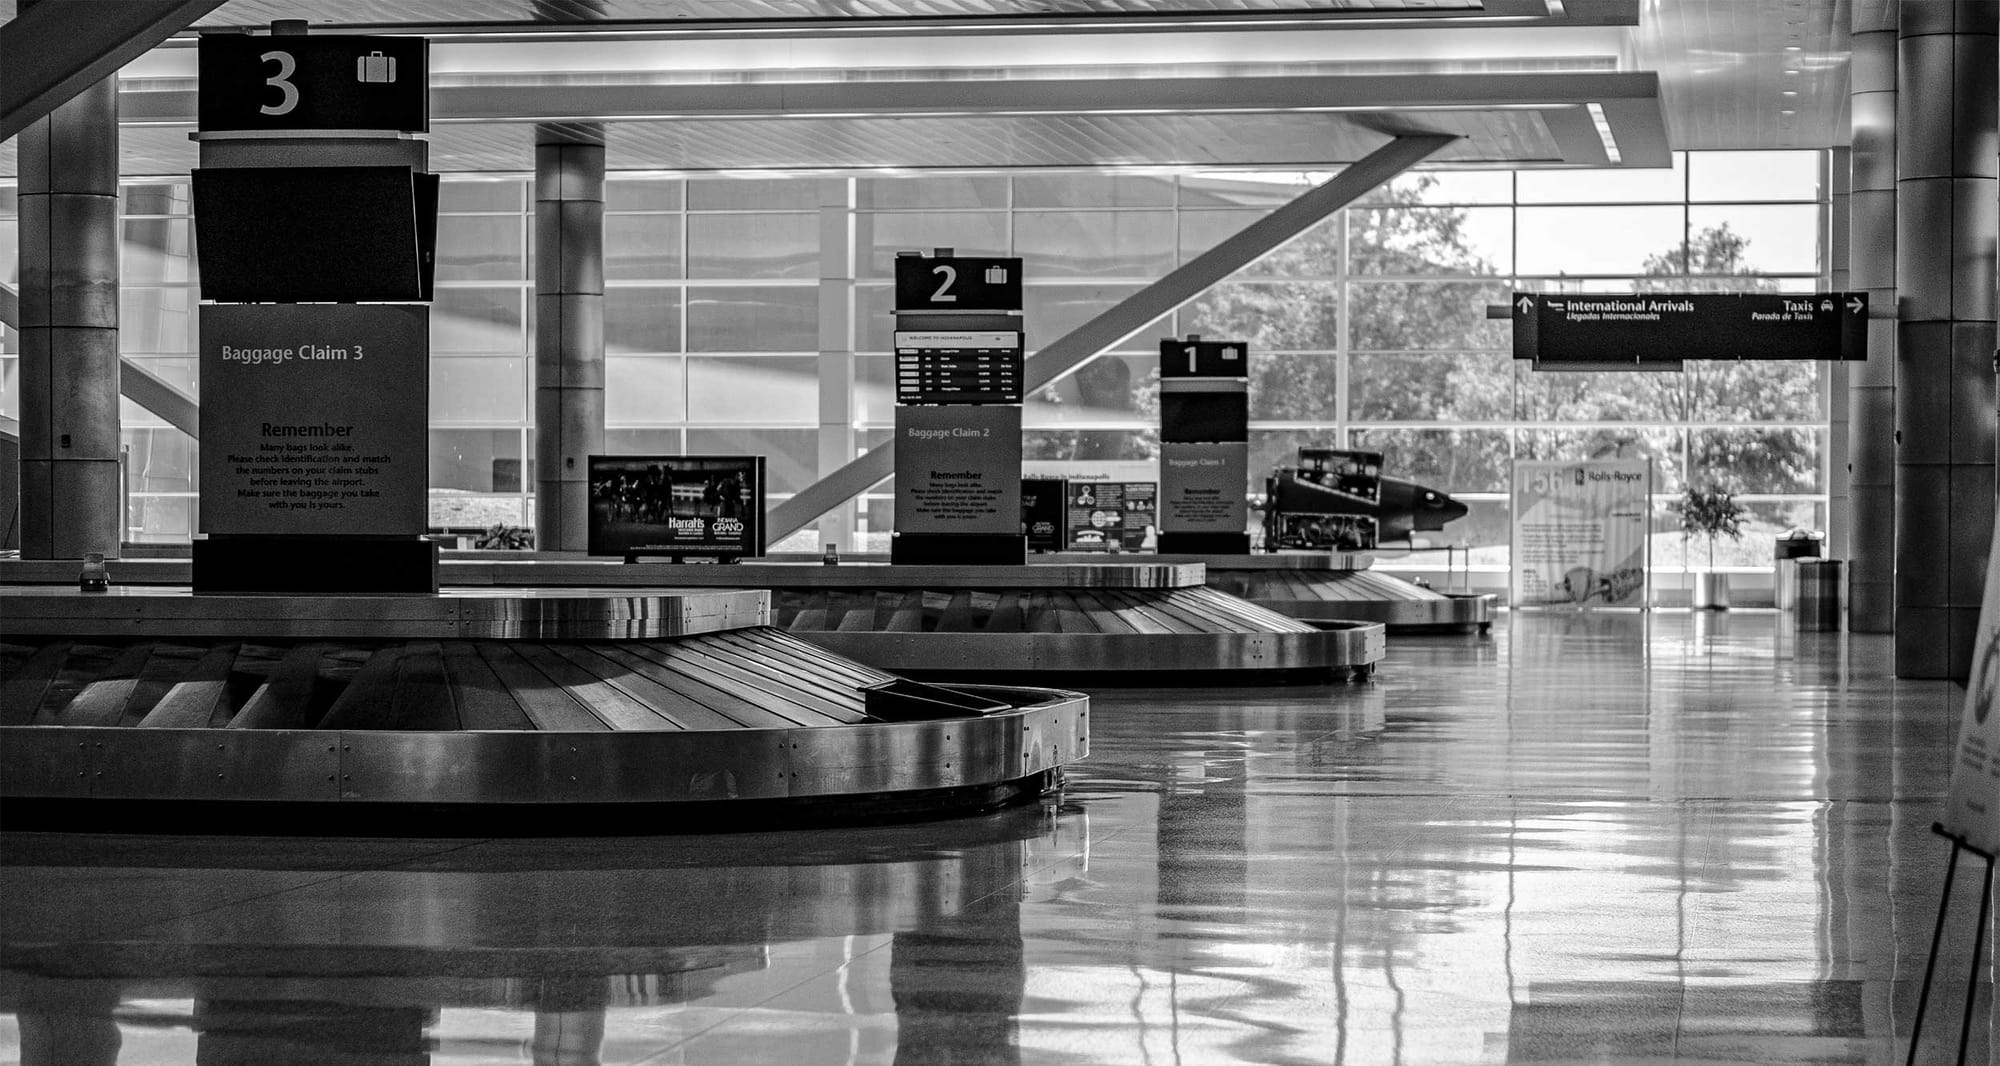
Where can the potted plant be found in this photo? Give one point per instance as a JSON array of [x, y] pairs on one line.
[[1711, 513], [505, 537]]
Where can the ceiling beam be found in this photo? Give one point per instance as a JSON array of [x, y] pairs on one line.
[[1184, 283], [56, 48], [156, 394]]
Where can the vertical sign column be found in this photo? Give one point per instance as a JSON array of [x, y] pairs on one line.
[[316, 228], [958, 410], [1204, 446]]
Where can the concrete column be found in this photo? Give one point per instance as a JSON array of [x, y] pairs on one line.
[[1839, 505], [72, 498], [837, 439], [1947, 222], [1871, 386], [569, 328]]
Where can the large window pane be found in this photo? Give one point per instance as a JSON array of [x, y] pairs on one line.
[[1769, 460], [157, 250], [1756, 391], [1428, 316], [767, 389], [642, 318], [1598, 240], [1066, 244], [458, 195], [145, 198], [1273, 448], [1431, 240], [1294, 386], [1664, 184], [753, 246], [1445, 187], [10, 253], [1754, 238], [1661, 445], [878, 237], [478, 320], [1449, 460], [1314, 254], [477, 460], [752, 194], [642, 247], [1054, 310], [644, 390], [1108, 390], [481, 248], [178, 371], [1093, 190], [161, 465], [874, 389], [1437, 386], [643, 194], [644, 442], [1270, 315], [939, 191], [1754, 176], [1636, 396], [156, 319], [791, 456], [753, 319], [1244, 190], [1088, 445], [479, 389], [875, 322]]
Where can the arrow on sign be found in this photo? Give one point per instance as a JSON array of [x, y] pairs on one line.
[[1526, 305], [1854, 305]]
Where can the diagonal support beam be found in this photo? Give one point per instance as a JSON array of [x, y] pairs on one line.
[[53, 49], [1100, 334], [10, 308], [155, 394]]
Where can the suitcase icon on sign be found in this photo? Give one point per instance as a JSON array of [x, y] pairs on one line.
[[375, 67]]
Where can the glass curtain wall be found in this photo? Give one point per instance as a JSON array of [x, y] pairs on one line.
[[1369, 331]]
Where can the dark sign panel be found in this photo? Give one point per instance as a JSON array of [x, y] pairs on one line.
[[1566, 329], [1196, 358], [315, 234], [958, 366], [1042, 512], [679, 506], [1204, 417], [318, 82], [957, 283]]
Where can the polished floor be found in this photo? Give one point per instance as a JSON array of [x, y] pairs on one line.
[[1585, 838]]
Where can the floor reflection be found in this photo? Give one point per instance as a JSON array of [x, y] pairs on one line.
[[1587, 838]]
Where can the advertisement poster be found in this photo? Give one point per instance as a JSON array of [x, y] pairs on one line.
[[1112, 515], [1042, 511], [958, 470], [1972, 807], [692, 506], [1579, 532], [1204, 488], [323, 421]]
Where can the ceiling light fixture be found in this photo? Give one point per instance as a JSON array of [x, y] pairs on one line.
[[1604, 134]]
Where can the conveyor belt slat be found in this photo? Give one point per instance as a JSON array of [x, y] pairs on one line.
[[21, 697], [482, 701], [102, 701], [565, 664], [369, 701], [423, 696], [837, 704], [804, 664], [192, 701], [169, 664], [552, 709], [285, 700], [636, 677], [731, 696]]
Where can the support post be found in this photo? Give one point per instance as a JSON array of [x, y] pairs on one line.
[[569, 328]]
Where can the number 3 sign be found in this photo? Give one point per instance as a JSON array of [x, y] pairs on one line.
[[316, 82]]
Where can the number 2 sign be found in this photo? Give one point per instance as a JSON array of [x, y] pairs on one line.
[[957, 283]]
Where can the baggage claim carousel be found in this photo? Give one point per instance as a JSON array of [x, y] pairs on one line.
[[531, 710]]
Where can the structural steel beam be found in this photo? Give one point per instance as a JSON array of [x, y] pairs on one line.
[[51, 50], [1100, 334], [10, 308], [155, 394]]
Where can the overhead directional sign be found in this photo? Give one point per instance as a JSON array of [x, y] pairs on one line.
[[1651, 328], [957, 283], [1197, 358]]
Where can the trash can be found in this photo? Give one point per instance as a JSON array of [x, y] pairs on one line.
[[1787, 552], [1822, 594]]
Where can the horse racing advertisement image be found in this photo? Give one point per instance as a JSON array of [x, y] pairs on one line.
[[694, 506]]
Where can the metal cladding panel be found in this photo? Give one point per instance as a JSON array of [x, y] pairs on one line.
[[83, 260], [1923, 392], [570, 233], [566, 170], [1969, 533], [1974, 432], [81, 158], [1872, 459], [1923, 534], [1976, 103], [1924, 236], [82, 397], [1962, 639], [215, 764], [1923, 642], [38, 761], [1879, 369], [1975, 225], [569, 340], [1924, 91], [1872, 245]]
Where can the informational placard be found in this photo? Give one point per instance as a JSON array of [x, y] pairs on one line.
[[1197, 358], [1611, 329], [316, 82], [1109, 515], [1043, 503], [321, 419], [957, 283], [958, 470], [1579, 532], [1204, 488], [958, 366], [1972, 806], [680, 506]]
